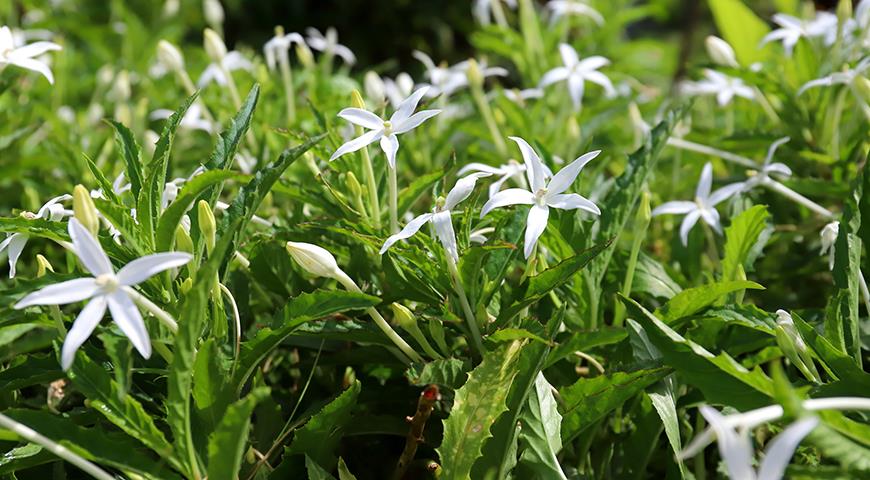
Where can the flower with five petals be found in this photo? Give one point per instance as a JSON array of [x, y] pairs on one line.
[[14, 244], [576, 72], [23, 56]]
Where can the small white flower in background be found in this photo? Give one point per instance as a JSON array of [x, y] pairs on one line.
[[720, 52], [564, 8], [542, 194], [703, 207], [279, 46], [374, 87], [520, 96], [329, 44], [118, 187], [23, 56], [482, 9], [170, 188], [723, 86], [576, 72], [398, 89], [443, 80], [479, 236], [848, 76], [105, 289], [512, 170], [769, 167], [231, 61], [735, 447], [214, 14], [403, 120], [829, 236], [193, 119], [14, 243], [440, 217], [792, 29]]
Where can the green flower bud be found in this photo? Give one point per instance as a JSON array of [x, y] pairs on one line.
[[214, 45], [475, 78], [42, 265], [183, 242], [303, 53], [169, 55], [186, 285], [353, 185], [207, 224], [84, 209]]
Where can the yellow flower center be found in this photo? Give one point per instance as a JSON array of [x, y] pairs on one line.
[[108, 282], [388, 128]]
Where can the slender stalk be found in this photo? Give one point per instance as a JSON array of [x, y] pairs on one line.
[[698, 148], [766, 106], [236, 317], [287, 79], [619, 315], [498, 13], [466, 307], [488, 118], [33, 436], [394, 199], [372, 187], [797, 197], [385, 327], [153, 309], [712, 249], [58, 319], [415, 434]]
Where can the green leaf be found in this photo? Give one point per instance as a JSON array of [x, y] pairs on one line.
[[534, 288], [447, 372], [719, 377], [343, 472], [842, 323], [126, 142], [319, 437], [107, 398], [112, 449], [582, 341], [740, 238], [540, 433], [410, 194], [36, 227], [119, 350], [304, 308], [741, 28], [315, 471], [227, 444], [591, 399], [121, 218], [835, 361], [476, 407], [191, 190], [102, 181], [30, 370], [510, 334], [228, 140], [693, 300]]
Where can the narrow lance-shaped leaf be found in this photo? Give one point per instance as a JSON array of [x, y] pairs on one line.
[[227, 444], [129, 149]]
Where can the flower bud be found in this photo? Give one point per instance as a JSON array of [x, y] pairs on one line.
[[303, 53], [862, 84], [314, 259], [213, 13], [793, 347], [214, 45], [374, 86], [844, 11], [169, 55], [84, 209], [644, 213], [170, 8], [403, 317], [720, 52], [121, 88], [475, 78], [207, 224], [183, 242], [829, 236], [42, 265], [353, 185], [356, 99], [186, 285]]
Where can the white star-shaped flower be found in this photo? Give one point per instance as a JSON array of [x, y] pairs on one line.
[[564, 8], [829, 236], [792, 29], [703, 207], [724, 87], [23, 56], [849, 77], [329, 44], [403, 120], [278, 46], [510, 170], [231, 61], [14, 244], [106, 289], [769, 167], [542, 194], [440, 217], [576, 72]]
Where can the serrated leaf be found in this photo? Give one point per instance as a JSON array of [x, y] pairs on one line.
[[740, 238], [319, 437], [476, 407], [228, 140], [540, 433], [693, 300], [227, 444], [121, 218], [126, 142], [446, 372]]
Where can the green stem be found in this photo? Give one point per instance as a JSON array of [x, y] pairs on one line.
[[619, 315], [372, 187], [394, 199], [488, 118], [466, 307], [153, 309], [289, 93], [498, 14]]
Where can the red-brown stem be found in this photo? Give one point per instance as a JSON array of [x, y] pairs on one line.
[[428, 397]]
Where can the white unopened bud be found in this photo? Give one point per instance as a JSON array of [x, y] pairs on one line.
[[170, 56], [829, 236], [121, 89], [720, 52], [374, 86], [170, 8], [214, 13], [314, 259], [214, 45]]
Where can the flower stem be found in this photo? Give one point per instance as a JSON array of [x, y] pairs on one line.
[[486, 112], [372, 186], [153, 309], [394, 199], [698, 148], [33, 436], [385, 327], [287, 78], [619, 314], [236, 317], [797, 198], [498, 13], [466, 307]]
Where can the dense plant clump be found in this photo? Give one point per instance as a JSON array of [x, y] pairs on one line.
[[550, 260]]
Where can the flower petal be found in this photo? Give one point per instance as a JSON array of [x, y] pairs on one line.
[[88, 249], [566, 176], [711, 217], [357, 143], [592, 63], [688, 222], [772, 149], [571, 201], [479, 167], [674, 208], [705, 182], [61, 293], [363, 118], [414, 120], [568, 54], [511, 196], [35, 49], [390, 145], [407, 107], [724, 193], [15, 242], [145, 267], [129, 320], [534, 167], [410, 229], [82, 328], [734, 449], [536, 223], [781, 449], [443, 224], [555, 75], [601, 79], [32, 64], [462, 189]]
